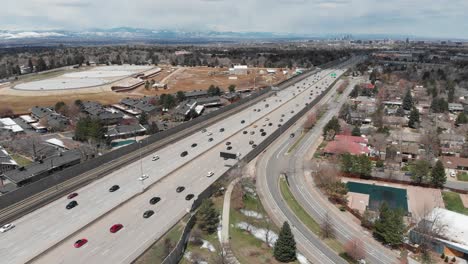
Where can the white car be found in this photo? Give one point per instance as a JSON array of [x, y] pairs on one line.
[[210, 173], [209, 134], [143, 177], [155, 158], [6, 227]]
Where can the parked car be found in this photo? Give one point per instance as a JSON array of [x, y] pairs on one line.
[[189, 197], [6, 227], [180, 189], [72, 195]]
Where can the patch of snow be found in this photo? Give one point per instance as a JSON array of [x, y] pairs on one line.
[[302, 259], [208, 245], [252, 214]]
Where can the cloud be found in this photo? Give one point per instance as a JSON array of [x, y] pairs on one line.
[[415, 17]]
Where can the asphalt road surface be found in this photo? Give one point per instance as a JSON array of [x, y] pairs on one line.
[[276, 160], [51, 230]]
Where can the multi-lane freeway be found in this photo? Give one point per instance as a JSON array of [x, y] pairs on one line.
[[47, 235], [276, 160]]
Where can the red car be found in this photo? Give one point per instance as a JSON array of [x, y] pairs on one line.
[[115, 228], [72, 195], [80, 242]]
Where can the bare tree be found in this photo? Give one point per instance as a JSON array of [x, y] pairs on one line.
[[326, 228], [379, 141], [310, 121], [326, 172], [355, 249], [431, 143], [221, 255], [268, 230]]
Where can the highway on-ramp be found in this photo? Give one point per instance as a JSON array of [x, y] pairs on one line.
[[47, 234]]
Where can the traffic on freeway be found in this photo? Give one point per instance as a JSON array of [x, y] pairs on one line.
[[124, 196]]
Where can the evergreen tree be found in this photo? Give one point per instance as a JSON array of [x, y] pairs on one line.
[[389, 227], [285, 246], [438, 177], [413, 118], [41, 65], [208, 217], [419, 170], [333, 124], [400, 112], [180, 96], [30, 65], [143, 119], [408, 101], [355, 92], [232, 88], [461, 119]]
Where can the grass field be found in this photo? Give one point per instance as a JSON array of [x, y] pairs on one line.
[[462, 176], [454, 203], [156, 254], [306, 218], [22, 161]]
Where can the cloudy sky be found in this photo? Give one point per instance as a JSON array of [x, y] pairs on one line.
[[431, 18]]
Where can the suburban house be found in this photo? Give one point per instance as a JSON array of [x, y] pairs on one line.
[[185, 110], [347, 144], [107, 116], [455, 108], [451, 144], [6, 162], [10, 125], [51, 118], [452, 238], [125, 131], [42, 168], [454, 165]]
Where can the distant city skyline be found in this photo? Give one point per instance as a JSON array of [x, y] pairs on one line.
[[423, 18]]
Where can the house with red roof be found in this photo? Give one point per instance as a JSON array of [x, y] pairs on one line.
[[347, 144]]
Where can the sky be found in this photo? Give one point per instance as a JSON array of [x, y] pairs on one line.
[[425, 18]]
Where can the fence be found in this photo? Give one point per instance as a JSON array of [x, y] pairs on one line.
[[177, 253]]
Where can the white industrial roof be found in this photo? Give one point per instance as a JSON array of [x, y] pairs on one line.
[[240, 67], [56, 142], [9, 124], [456, 228], [28, 119]]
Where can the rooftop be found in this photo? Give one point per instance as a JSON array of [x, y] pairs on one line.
[[456, 229]]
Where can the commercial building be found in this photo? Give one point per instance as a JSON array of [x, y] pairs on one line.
[[239, 70], [10, 125]]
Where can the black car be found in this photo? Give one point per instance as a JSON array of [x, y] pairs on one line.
[[251, 142], [245, 132], [189, 197], [180, 189], [292, 135], [228, 143], [267, 105], [292, 112], [210, 139], [229, 148], [71, 204], [154, 200], [183, 154], [262, 130], [282, 115], [221, 130], [114, 188], [254, 145], [194, 145], [279, 125], [281, 120], [270, 124], [263, 134], [148, 214], [243, 121]]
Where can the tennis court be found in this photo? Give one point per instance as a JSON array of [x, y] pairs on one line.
[[394, 197]]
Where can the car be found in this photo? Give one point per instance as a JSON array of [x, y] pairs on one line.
[[143, 177], [251, 142], [228, 143], [115, 228], [210, 139], [270, 124], [114, 188], [254, 145], [72, 195], [292, 135], [155, 158], [80, 242], [242, 121], [180, 189], [282, 115], [71, 204], [245, 132], [209, 134], [194, 145], [154, 200], [262, 130], [263, 134], [292, 112], [6, 227], [203, 130], [252, 132], [267, 105], [210, 173], [183, 154], [279, 125], [259, 110], [189, 197], [281, 120], [221, 130], [148, 213], [229, 147]]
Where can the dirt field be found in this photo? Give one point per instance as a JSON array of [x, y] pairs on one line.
[[182, 79], [420, 200]]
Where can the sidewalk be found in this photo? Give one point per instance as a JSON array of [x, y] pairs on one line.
[[229, 255]]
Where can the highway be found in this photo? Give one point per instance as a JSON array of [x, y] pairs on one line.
[[276, 160], [51, 230]]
